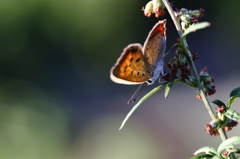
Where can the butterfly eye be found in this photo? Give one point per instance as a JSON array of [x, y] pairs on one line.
[[149, 82]]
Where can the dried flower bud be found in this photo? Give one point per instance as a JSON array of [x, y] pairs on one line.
[[154, 7], [198, 96], [230, 124], [225, 153], [212, 127], [148, 9], [221, 109]]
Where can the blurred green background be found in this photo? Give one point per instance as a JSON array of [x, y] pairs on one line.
[[56, 98]]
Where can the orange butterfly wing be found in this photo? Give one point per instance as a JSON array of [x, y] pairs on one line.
[[130, 67]]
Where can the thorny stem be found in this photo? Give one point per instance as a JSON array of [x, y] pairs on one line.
[[192, 66]]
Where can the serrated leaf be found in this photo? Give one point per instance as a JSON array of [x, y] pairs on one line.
[[154, 90], [168, 88], [218, 103], [202, 156], [229, 143], [206, 149], [232, 114], [195, 27]]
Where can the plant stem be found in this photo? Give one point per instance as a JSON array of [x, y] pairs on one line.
[[193, 68]]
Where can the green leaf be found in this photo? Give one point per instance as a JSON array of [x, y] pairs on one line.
[[218, 103], [168, 88], [235, 92], [207, 150], [140, 102], [231, 100], [229, 143], [217, 157], [195, 27], [202, 156], [232, 114], [234, 95], [234, 150]]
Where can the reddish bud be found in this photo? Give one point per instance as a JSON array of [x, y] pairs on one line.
[[148, 9], [198, 96], [221, 109], [225, 153], [203, 71], [212, 131]]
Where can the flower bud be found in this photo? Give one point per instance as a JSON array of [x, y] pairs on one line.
[[195, 13], [212, 127], [154, 7], [186, 18], [148, 9], [183, 11]]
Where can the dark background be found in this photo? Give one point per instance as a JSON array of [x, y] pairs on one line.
[[57, 100]]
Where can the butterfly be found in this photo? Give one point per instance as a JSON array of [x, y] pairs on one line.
[[137, 64]]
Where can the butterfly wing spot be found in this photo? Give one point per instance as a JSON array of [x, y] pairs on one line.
[[132, 72], [131, 66], [137, 60]]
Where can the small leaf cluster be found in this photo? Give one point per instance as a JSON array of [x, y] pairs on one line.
[[226, 117], [189, 17], [180, 63], [219, 153]]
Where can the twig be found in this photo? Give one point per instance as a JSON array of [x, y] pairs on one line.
[[193, 68]]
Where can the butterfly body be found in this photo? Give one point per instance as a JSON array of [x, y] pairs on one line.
[[139, 64]]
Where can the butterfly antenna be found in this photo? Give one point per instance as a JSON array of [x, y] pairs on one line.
[[133, 98], [168, 51]]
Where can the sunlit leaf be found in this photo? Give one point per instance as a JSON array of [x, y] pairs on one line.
[[195, 27], [234, 95], [234, 150], [218, 157], [140, 102], [207, 150], [229, 143], [202, 156], [231, 100], [168, 88], [232, 114]]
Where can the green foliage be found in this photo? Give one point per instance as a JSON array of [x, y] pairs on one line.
[[232, 114], [229, 143], [202, 156], [218, 103], [168, 88], [233, 96], [140, 102], [195, 27]]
